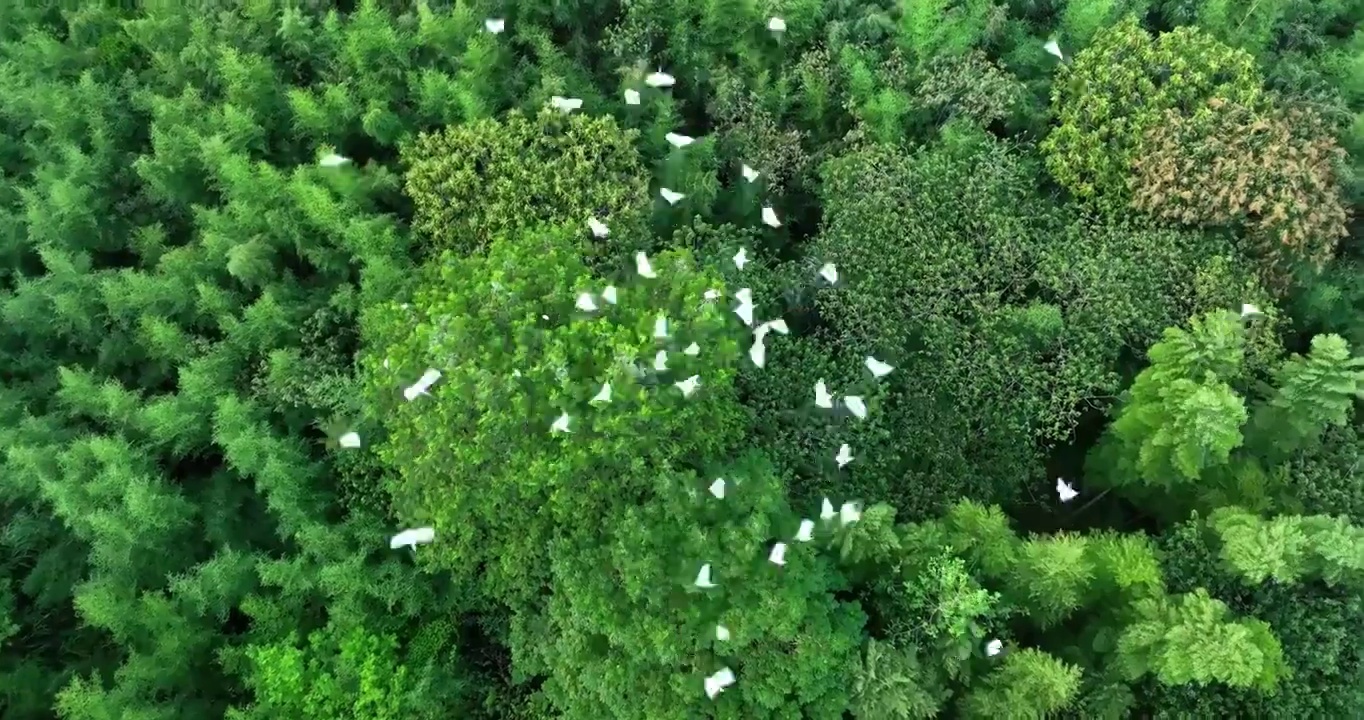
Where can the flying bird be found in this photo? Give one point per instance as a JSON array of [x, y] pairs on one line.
[[750, 174], [844, 455], [631, 97], [778, 554], [692, 350], [423, 384], [412, 538], [689, 385], [661, 326], [349, 440], [745, 312], [712, 294], [609, 294], [770, 217], [672, 197], [829, 272], [567, 105], [822, 397], [758, 353], [643, 267], [678, 140], [659, 80], [721, 633], [806, 532], [994, 647], [855, 406], [1054, 49], [703, 577], [1065, 491], [331, 160], [716, 684], [849, 513], [599, 228], [776, 24], [717, 488], [741, 258], [586, 303], [1247, 310], [826, 511], [878, 368], [560, 425], [661, 361], [603, 395], [779, 325], [495, 25]]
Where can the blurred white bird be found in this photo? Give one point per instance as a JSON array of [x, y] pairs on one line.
[[661, 326], [631, 97], [856, 406], [609, 294], [1065, 491], [689, 385], [844, 455], [717, 488], [1247, 310], [678, 140], [745, 312], [722, 633], [643, 267], [749, 173], [703, 577], [661, 361], [412, 538], [758, 353], [778, 554], [822, 397], [495, 25], [741, 258], [826, 511], [599, 228], [603, 395], [744, 295], [716, 684], [806, 533], [423, 384], [711, 294], [829, 272], [993, 647], [331, 160], [770, 217], [567, 105], [776, 24], [878, 368], [560, 425], [1053, 48], [659, 80], [849, 513], [672, 197], [779, 326], [586, 303], [349, 440], [692, 350]]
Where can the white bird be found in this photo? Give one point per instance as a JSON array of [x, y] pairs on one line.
[[659, 80], [822, 397], [678, 140], [778, 325], [495, 25], [1065, 491], [776, 24], [423, 384], [603, 395], [741, 258], [703, 577], [826, 511], [567, 105], [412, 538], [672, 197], [844, 455], [721, 633], [331, 160], [749, 173], [1247, 310], [758, 353], [829, 272], [349, 440], [878, 368], [717, 488], [715, 684], [778, 554], [689, 385], [692, 350], [711, 294], [855, 406], [599, 228], [609, 294], [586, 303], [661, 326], [849, 513], [770, 217], [631, 97], [994, 647], [661, 361], [560, 425], [806, 532], [643, 267], [744, 295], [1053, 48], [745, 312]]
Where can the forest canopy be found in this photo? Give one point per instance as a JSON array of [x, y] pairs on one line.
[[657, 360]]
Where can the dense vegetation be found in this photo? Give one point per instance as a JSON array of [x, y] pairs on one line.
[[234, 232]]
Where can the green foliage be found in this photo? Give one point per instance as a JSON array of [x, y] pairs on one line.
[[1030, 683], [1290, 548]]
